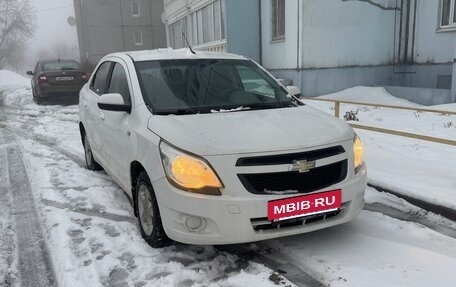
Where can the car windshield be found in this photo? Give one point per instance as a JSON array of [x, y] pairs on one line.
[[60, 65], [208, 85]]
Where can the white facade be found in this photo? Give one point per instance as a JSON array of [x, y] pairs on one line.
[[328, 33], [433, 44], [331, 45]]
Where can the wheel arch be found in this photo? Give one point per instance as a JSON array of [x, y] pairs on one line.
[[135, 170], [82, 131]]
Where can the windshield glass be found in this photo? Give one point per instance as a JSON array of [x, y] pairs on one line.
[[60, 65], [208, 85]]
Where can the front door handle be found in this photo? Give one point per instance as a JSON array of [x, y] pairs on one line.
[[101, 115]]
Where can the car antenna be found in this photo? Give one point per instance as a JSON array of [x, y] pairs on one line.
[[188, 44]]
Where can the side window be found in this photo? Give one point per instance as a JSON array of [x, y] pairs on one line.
[[119, 83], [100, 81]]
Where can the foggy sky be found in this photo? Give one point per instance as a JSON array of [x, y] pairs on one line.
[[51, 25]]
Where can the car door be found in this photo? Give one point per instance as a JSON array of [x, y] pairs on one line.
[[94, 116], [116, 127]]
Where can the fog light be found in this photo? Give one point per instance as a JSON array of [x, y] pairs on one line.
[[194, 223]]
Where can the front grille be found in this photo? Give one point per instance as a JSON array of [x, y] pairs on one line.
[[288, 158], [315, 179], [260, 224]]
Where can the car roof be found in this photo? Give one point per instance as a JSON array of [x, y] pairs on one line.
[[56, 60], [177, 54]]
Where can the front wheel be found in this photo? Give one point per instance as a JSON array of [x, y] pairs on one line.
[[148, 214], [91, 163]]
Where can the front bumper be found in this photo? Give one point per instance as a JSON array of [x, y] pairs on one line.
[[227, 219]]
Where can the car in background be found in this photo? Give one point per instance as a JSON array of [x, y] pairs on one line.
[[57, 81], [211, 149]]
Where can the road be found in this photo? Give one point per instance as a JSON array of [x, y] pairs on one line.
[[67, 226]]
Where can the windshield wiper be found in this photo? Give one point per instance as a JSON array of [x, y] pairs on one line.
[[264, 106], [176, 112]]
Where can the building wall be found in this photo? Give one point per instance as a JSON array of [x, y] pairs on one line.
[[280, 54], [106, 26], [243, 28], [344, 43], [431, 45], [333, 33], [348, 33]]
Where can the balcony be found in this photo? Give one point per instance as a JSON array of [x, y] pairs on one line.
[[218, 46], [174, 9]]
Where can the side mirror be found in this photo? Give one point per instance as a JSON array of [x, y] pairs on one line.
[[295, 91], [113, 102], [30, 73]]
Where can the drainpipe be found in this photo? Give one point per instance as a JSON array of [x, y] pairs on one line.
[[261, 32], [453, 82], [299, 44]]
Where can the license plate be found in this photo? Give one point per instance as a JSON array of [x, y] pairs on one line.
[[304, 205], [64, 78]]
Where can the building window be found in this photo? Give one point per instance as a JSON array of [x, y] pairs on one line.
[[175, 33], [448, 14], [135, 9], [278, 20], [203, 26], [138, 38]]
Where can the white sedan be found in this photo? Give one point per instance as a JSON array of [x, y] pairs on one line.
[[213, 150]]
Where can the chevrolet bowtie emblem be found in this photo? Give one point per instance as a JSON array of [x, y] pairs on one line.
[[302, 165]]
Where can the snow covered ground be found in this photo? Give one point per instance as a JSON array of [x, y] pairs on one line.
[[416, 168], [93, 238]]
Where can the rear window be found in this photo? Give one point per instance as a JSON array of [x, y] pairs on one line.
[[60, 65]]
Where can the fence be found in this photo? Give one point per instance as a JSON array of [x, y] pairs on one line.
[[337, 104]]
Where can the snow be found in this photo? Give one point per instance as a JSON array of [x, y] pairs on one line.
[[372, 95], [94, 239], [416, 168], [11, 79], [90, 229], [374, 250], [184, 53]]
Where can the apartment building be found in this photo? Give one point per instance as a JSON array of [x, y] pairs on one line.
[[214, 25], [323, 46], [106, 26]]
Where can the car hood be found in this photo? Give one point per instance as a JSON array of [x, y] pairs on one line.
[[250, 131]]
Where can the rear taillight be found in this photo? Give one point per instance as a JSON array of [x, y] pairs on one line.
[[42, 79], [85, 77]]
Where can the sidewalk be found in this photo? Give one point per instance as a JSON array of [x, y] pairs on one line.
[[421, 172]]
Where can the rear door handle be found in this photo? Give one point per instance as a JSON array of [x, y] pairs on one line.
[[101, 115]]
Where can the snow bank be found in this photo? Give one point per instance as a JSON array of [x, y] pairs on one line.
[[11, 79], [372, 95]]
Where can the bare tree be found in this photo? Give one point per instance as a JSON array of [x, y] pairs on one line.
[[16, 25]]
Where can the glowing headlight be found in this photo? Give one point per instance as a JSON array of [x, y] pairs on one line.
[[188, 172], [358, 152]]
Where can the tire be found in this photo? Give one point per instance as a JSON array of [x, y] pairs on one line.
[[149, 219], [91, 163]]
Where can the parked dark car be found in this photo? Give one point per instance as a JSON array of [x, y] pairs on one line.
[[57, 81]]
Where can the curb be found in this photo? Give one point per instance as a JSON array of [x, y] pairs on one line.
[[441, 210]]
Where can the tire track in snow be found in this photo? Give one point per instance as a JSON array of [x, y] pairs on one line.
[[286, 269], [8, 276], [46, 141], [90, 211], [34, 265]]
